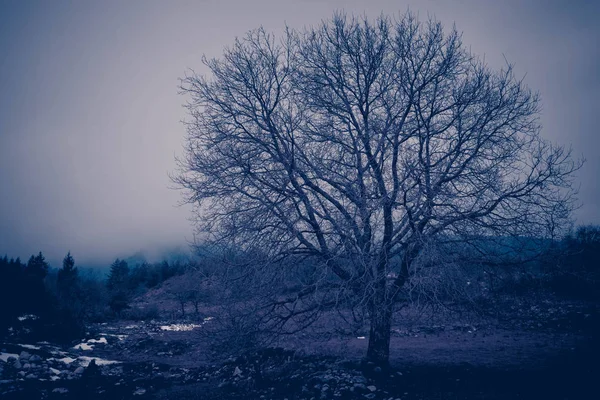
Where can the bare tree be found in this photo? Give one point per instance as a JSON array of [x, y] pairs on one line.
[[356, 144]]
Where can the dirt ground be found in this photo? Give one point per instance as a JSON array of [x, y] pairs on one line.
[[539, 350]]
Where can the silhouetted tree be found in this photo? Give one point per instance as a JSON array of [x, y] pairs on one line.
[[119, 301], [359, 144], [118, 285], [37, 267], [12, 288], [118, 276], [67, 279], [37, 300]]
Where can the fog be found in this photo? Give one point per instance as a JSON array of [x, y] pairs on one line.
[[90, 112]]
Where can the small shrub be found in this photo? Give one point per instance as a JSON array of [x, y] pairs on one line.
[[235, 331]]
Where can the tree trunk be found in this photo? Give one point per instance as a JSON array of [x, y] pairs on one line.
[[380, 333]]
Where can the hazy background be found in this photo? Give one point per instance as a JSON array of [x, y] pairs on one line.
[[90, 115]]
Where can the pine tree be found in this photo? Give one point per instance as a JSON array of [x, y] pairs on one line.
[[66, 281], [38, 301], [118, 282], [118, 275], [37, 267]]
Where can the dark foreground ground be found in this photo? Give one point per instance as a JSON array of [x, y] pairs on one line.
[[549, 353]]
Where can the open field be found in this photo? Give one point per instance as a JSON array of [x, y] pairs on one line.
[[549, 351]]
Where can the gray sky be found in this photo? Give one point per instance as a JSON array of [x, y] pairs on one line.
[[89, 110]]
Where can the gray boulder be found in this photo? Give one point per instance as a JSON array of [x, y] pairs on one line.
[[35, 358]]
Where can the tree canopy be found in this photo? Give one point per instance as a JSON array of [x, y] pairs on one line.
[[358, 143]]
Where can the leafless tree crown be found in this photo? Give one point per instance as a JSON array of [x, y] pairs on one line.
[[358, 141]]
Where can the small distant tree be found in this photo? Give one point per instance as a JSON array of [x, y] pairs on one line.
[[37, 267], [118, 276], [118, 286], [139, 275], [67, 279], [119, 301]]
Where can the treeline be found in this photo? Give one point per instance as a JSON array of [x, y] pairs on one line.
[[572, 267], [22, 289], [40, 300], [124, 282]]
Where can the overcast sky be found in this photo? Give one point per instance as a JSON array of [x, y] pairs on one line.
[[90, 115]]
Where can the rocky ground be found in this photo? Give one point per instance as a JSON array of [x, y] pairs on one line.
[[548, 352]]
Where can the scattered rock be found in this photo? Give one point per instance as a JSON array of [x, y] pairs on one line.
[[35, 358], [139, 392], [79, 370]]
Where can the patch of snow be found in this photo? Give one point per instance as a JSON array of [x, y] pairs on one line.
[[130, 327], [85, 361], [361, 337], [54, 370], [102, 340], [25, 317], [29, 346], [120, 337], [208, 319], [54, 378], [179, 327], [66, 360], [4, 356], [83, 346]]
